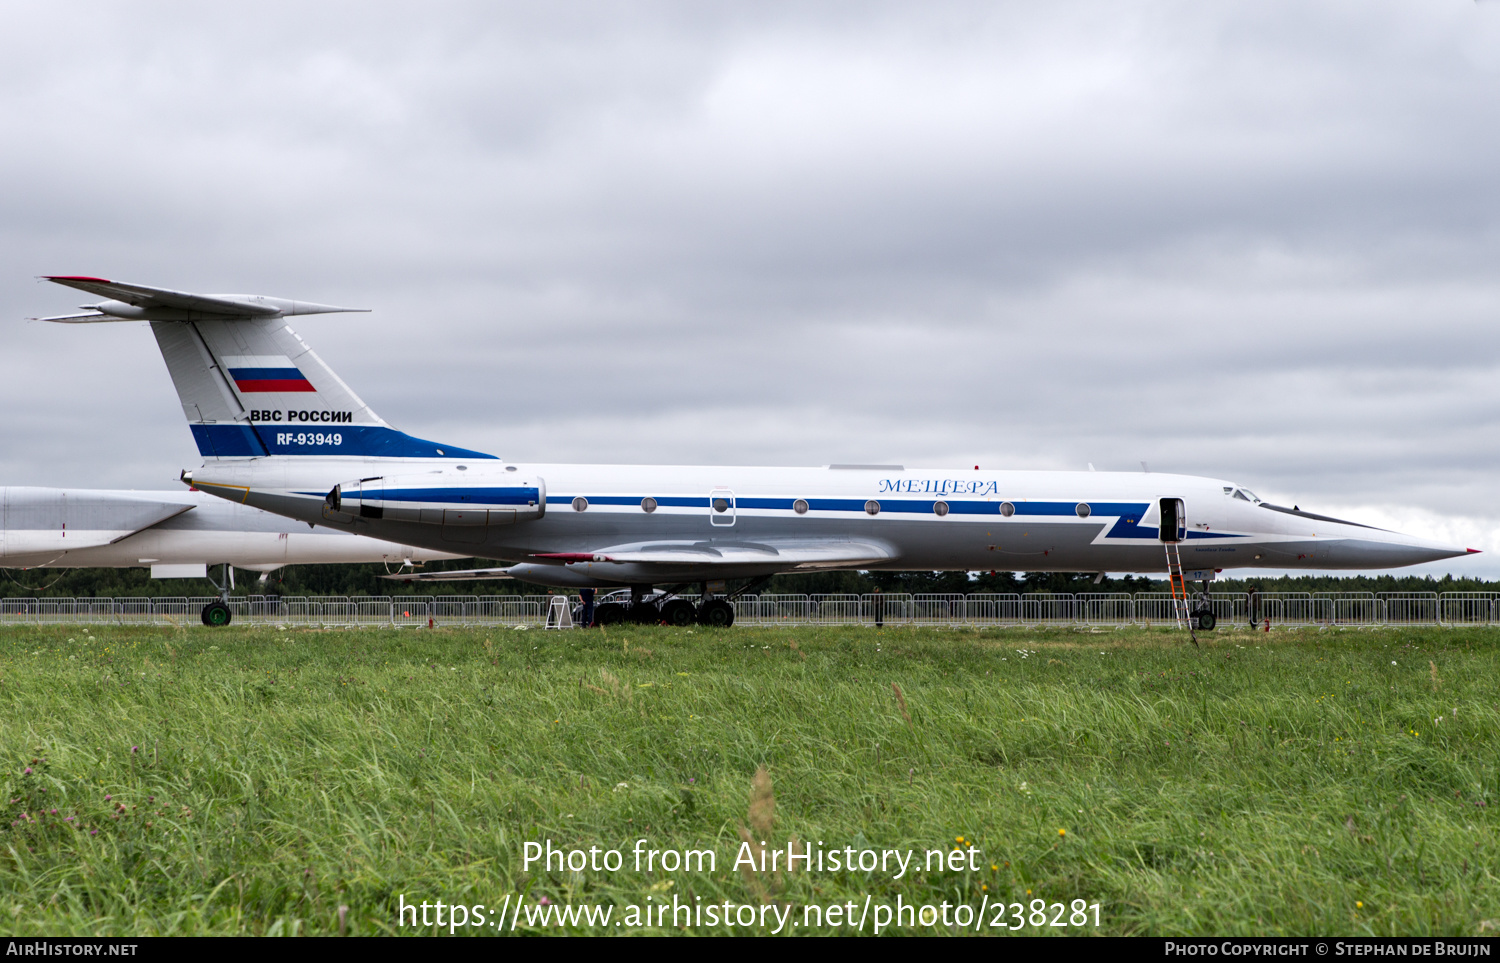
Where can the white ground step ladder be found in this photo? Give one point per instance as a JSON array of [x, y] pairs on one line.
[[559, 613]]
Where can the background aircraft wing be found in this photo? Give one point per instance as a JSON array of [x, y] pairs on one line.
[[150, 518], [51, 520]]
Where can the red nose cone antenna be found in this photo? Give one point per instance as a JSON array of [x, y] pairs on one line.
[[1472, 551]]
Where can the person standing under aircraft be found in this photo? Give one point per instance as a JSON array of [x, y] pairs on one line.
[[587, 594]]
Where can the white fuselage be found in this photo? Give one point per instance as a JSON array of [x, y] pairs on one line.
[[594, 523]]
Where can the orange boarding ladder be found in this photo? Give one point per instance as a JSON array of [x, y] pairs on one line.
[[1171, 531], [1180, 605]]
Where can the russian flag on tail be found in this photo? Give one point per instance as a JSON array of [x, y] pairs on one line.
[[266, 373]]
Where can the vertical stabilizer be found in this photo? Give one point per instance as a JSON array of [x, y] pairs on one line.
[[252, 387], [249, 386]]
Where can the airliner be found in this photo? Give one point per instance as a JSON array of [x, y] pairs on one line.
[[177, 534], [280, 431]]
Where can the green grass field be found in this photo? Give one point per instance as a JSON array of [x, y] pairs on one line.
[[254, 780]]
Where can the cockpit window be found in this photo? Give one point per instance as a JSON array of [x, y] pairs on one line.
[[1248, 496]]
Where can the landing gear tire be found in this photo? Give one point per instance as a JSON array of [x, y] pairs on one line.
[[679, 612], [717, 614], [1206, 620], [644, 613], [609, 613], [216, 615]]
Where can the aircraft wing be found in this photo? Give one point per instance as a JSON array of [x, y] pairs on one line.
[[451, 575], [42, 520], [676, 558], [801, 555]]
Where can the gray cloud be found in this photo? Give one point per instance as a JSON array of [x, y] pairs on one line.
[[1252, 242]]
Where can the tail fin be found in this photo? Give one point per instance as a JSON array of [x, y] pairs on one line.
[[249, 386]]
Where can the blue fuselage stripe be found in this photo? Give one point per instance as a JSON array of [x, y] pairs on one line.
[[373, 441], [472, 496], [1127, 515]]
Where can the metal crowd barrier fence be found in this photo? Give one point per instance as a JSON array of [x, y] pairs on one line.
[[1467, 607], [880, 608]]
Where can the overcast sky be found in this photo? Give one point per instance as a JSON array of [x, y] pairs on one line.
[[1251, 240]]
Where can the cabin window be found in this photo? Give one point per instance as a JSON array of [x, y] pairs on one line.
[[872, 507], [1082, 508], [648, 504], [940, 509], [800, 506], [1007, 509], [580, 504]]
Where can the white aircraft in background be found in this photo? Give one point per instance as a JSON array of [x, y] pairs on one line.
[[279, 430], [178, 534]]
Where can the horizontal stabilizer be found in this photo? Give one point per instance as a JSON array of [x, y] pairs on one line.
[[138, 302], [92, 317]]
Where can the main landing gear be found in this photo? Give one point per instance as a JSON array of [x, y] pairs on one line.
[[679, 612], [646, 606], [216, 614], [717, 613]]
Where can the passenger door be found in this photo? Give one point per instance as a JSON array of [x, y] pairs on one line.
[[1173, 525]]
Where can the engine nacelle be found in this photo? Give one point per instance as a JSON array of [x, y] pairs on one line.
[[436, 499]]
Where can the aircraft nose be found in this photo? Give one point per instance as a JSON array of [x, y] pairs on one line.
[[1397, 551], [1324, 541]]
